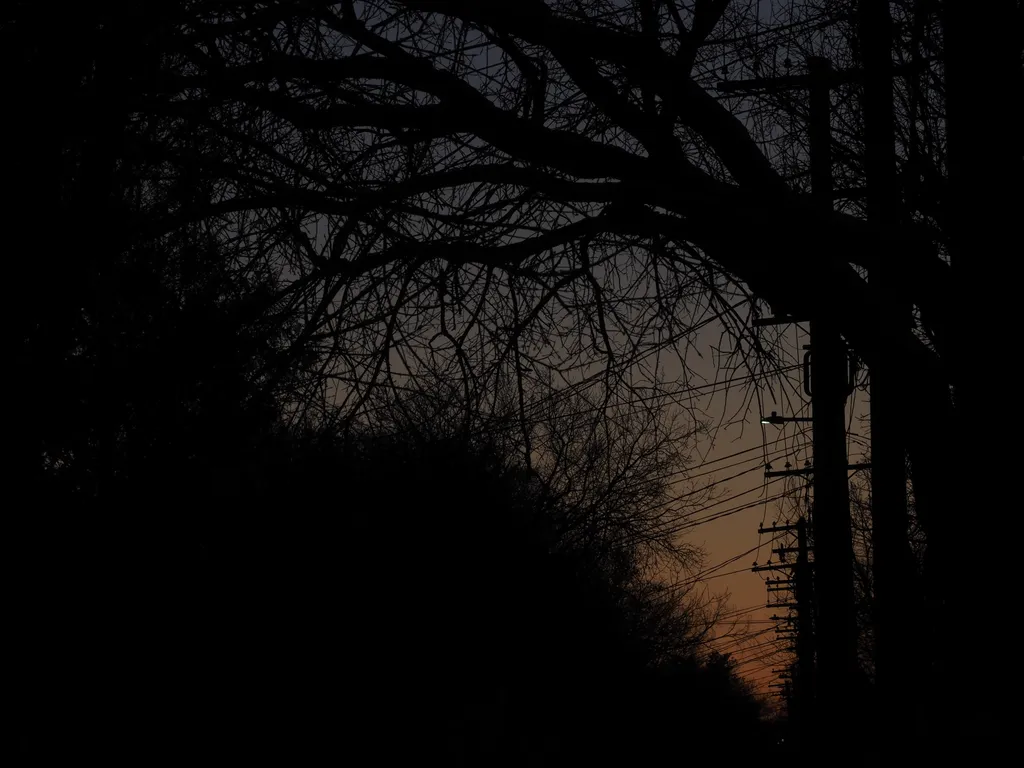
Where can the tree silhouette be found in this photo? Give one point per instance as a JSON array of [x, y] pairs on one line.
[[440, 615]]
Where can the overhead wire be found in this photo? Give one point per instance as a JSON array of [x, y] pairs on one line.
[[724, 513], [674, 395], [734, 464], [704, 575], [742, 611]]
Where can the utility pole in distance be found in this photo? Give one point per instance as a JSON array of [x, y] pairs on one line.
[[805, 622], [801, 698]]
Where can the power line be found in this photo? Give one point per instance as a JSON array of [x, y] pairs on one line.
[[704, 575], [726, 513], [781, 451], [659, 396], [729, 573], [735, 496], [742, 611], [763, 657], [738, 640]]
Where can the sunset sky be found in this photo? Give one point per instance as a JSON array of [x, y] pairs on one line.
[[732, 456]]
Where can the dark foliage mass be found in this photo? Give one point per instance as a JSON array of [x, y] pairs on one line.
[[419, 605]]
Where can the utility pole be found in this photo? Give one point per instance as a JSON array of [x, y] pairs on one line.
[[983, 79], [892, 577], [801, 697], [804, 594], [836, 630]]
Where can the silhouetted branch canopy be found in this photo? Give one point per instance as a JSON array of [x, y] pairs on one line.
[[550, 189]]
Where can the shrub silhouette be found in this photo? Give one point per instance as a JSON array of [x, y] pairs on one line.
[[380, 599]]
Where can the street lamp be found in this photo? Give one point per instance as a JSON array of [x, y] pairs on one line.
[[776, 419]]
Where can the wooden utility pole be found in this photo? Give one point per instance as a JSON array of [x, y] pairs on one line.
[[984, 111], [836, 632], [892, 576]]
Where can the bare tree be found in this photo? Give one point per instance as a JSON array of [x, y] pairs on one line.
[[612, 483], [427, 212]]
